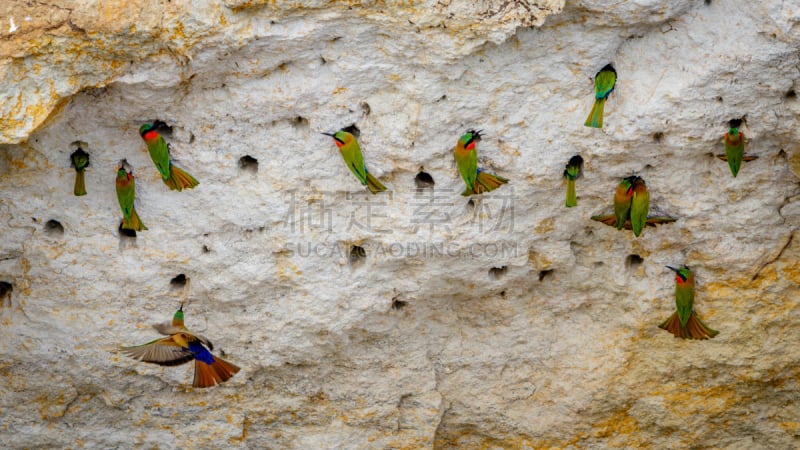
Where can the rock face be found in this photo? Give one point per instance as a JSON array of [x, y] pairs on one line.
[[412, 318]]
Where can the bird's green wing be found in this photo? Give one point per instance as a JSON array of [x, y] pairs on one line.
[[159, 152]]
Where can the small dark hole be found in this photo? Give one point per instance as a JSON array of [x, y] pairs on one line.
[[5, 293], [658, 136], [442, 98], [53, 228], [366, 108], [162, 128], [206, 249], [544, 274], [248, 164], [735, 123], [179, 281], [502, 294], [336, 38], [398, 304], [708, 2], [424, 180], [719, 99], [191, 138], [353, 129], [323, 60], [648, 167], [300, 121], [471, 203], [495, 273], [791, 94], [357, 254], [598, 264], [782, 153], [632, 262], [124, 232]]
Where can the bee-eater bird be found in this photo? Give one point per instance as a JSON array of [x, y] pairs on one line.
[[622, 201], [79, 159], [126, 194], [632, 207], [684, 322], [640, 206], [734, 147], [351, 153], [571, 173], [477, 180], [604, 83], [173, 176], [181, 346]]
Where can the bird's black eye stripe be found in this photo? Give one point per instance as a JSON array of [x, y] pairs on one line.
[[338, 140]]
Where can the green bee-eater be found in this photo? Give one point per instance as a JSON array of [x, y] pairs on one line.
[[181, 346], [640, 206], [734, 147], [622, 201], [173, 176], [126, 194], [631, 207], [604, 83], [571, 173], [79, 159], [351, 153], [477, 180], [684, 322]]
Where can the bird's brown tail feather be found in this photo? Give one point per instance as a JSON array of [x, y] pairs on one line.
[[207, 375], [695, 328], [487, 182], [374, 185], [135, 223], [179, 180], [595, 119]]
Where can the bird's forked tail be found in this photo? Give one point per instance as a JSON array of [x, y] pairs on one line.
[[135, 223], [374, 185], [595, 119], [694, 329], [207, 375], [80, 183], [179, 180]]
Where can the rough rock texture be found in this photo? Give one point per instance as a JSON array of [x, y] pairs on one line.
[[510, 322]]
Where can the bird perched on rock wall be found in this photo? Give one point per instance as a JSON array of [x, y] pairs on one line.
[[79, 159], [173, 176], [604, 83], [571, 173], [351, 153], [477, 180], [631, 207], [684, 322], [734, 147], [126, 194], [181, 346]]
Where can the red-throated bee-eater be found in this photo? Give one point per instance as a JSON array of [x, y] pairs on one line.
[[631, 207], [351, 153], [477, 180], [181, 346], [684, 322], [734, 147], [604, 83], [79, 159], [571, 173], [126, 195], [173, 176]]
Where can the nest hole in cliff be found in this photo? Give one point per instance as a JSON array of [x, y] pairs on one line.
[[790, 94], [719, 99], [657, 137], [53, 228], [357, 255], [178, 282], [248, 164], [162, 128], [125, 233], [206, 249], [423, 180], [300, 122], [496, 273], [398, 304], [5, 293], [543, 274], [632, 262], [353, 129]]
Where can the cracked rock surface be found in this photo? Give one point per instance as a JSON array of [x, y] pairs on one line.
[[413, 318]]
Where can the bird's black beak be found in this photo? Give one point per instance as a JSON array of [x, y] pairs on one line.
[[673, 269], [329, 134], [181, 308]]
